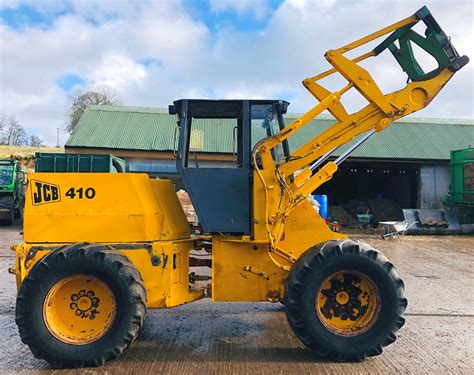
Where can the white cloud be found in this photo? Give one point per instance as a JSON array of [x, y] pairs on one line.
[[117, 72], [102, 42], [34, 58]]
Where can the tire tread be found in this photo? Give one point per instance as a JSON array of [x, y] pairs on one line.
[[296, 281], [128, 274]]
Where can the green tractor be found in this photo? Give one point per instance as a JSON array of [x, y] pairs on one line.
[[12, 191]]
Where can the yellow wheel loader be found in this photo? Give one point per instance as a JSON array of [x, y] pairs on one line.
[[100, 249]]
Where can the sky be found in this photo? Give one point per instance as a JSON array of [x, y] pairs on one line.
[[154, 52]]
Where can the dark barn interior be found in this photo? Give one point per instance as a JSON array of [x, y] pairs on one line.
[[373, 180]]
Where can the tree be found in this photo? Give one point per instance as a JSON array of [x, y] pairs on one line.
[[35, 141], [13, 133], [101, 95], [3, 123]]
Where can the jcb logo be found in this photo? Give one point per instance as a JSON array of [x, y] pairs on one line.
[[43, 192]]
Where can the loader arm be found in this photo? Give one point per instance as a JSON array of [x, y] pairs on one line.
[[310, 160]]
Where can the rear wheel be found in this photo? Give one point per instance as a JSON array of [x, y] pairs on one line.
[[344, 300], [80, 306]]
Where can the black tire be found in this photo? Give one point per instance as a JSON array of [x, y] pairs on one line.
[[7, 203], [112, 268], [19, 210], [306, 278]]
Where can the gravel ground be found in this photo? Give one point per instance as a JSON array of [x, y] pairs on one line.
[[255, 338]]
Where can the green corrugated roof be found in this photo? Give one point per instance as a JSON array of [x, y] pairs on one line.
[[150, 129]]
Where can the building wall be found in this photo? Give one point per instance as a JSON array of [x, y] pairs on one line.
[[143, 154], [163, 167], [398, 184], [157, 163], [434, 185]]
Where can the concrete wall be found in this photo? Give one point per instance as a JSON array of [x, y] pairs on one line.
[[434, 185]]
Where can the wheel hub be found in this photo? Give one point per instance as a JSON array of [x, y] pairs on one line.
[[348, 303], [342, 297], [85, 304], [79, 309]]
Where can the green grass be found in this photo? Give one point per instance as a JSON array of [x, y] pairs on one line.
[[25, 152]]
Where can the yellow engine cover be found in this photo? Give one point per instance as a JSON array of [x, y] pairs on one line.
[[101, 207]]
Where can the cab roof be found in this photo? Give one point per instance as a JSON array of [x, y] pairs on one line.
[[222, 108]]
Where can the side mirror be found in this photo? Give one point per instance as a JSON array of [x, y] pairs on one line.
[[171, 109]]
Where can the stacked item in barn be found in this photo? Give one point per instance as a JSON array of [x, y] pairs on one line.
[[350, 214], [187, 207], [432, 221], [432, 218], [384, 210], [339, 216], [361, 211]]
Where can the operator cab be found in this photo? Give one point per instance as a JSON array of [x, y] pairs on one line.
[[221, 192]]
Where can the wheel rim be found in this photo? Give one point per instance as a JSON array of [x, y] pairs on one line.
[[348, 303], [79, 309]]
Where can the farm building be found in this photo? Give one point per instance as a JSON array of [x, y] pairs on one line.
[[407, 163]]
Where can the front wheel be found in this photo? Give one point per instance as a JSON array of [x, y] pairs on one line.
[[344, 300]]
